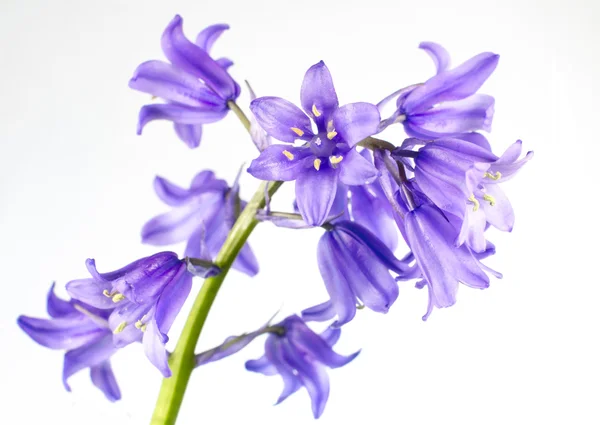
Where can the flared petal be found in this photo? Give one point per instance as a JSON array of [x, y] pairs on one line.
[[319, 313], [315, 193], [57, 307], [455, 84], [186, 55], [317, 95], [261, 365], [207, 37], [476, 138], [472, 229], [356, 170], [154, 346], [246, 262], [501, 214], [273, 352], [281, 119], [453, 118], [439, 55], [178, 114], [65, 333], [88, 355], [170, 193], [190, 134], [104, 379], [91, 291], [331, 335], [331, 267], [356, 121], [508, 164], [305, 340], [279, 162], [163, 80]]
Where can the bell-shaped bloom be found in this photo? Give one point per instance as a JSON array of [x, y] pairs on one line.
[[301, 357], [202, 215], [443, 265], [195, 86], [143, 298], [448, 103], [82, 330], [327, 155], [355, 266]]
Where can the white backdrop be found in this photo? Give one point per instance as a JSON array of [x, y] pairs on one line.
[[76, 182]]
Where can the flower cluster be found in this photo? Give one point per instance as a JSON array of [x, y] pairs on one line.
[[431, 196]]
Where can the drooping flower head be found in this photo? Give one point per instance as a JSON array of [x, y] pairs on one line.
[[355, 266], [81, 330], [195, 86], [448, 103], [202, 215], [327, 154], [143, 299], [301, 357]]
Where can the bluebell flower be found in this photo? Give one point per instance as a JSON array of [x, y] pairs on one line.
[[143, 298], [195, 86], [448, 103], [301, 357], [326, 155], [82, 330], [355, 265], [202, 215]]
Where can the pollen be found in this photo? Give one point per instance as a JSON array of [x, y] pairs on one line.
[[288, 155], [495, 176], [330, 125], [335, 159], [120, 328], [490, 199], [118, 297], [475, 202], [316, 111], [297, 131], [317, 164], [106, 293], [331, 134], [139, 324], [143, 327]]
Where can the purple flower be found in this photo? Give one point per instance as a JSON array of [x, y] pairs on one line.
[[301, 357], [447, 104], [195, 86], [443, 265], [327, 155], [355, 265], [143, 298], [202, 215], [81, 330], [461, 178]]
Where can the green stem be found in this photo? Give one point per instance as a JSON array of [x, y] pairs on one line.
[[240, 114], [182, 361]]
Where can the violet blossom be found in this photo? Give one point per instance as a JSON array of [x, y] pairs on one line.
[[325, 156], [195, 86]]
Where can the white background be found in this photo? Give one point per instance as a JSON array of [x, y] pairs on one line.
[[76, 182]]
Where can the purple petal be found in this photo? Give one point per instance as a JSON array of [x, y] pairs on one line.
[[90, 291], [104, 379], [476, 138], [453, 118], [356, 121], [178, 114], [508, 165], [57, 307], [439, 55], [315, 193], [154, 347], [501, 214], [64, 333], [279, 162], [89, 355], [163, 80], [343, 300], [373, 212], [473, 228], [207, 37], [458, 83], [190, 134], [171, 300], [281, 119], [331, 335], [273, 352], [310, 342], [319, 313], [224, 63], [186, 55], [246, 261], [170, 193], [318, 91], [356, 170], [261, 365]]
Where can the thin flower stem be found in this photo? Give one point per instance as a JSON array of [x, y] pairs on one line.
[[373, 143], [240, 114], [182, 361]]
